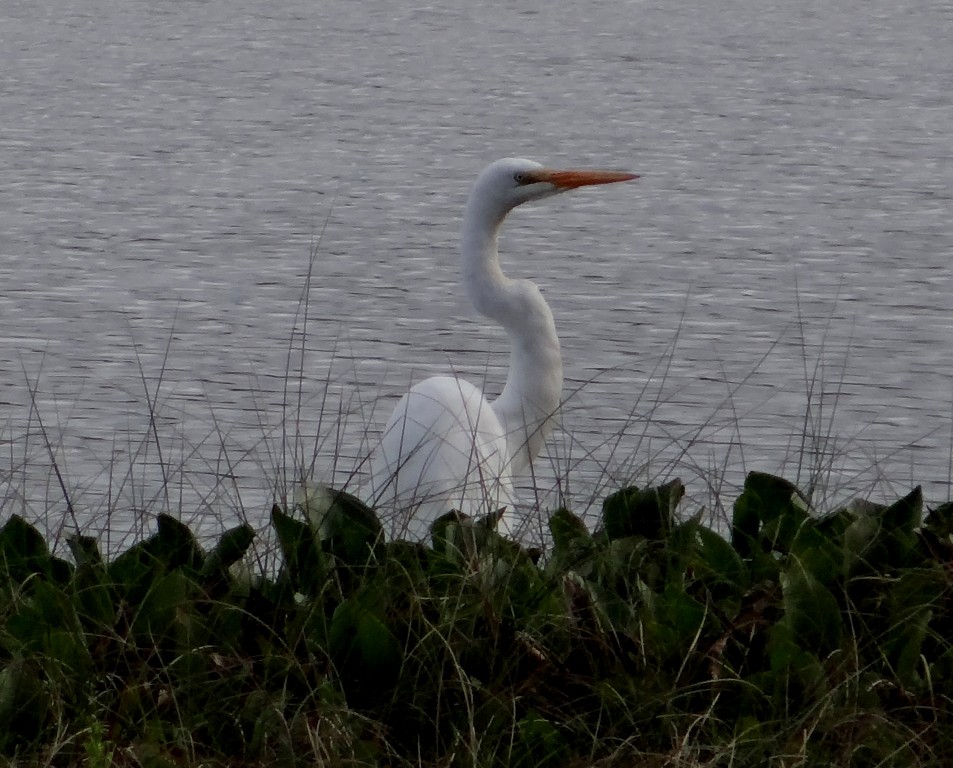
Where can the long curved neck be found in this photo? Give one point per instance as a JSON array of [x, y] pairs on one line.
[[529, 401]]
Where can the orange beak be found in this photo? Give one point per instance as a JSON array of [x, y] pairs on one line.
[[573, 179]]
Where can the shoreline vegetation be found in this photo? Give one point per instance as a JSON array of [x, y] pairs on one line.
[[762, 627], [798, 638]]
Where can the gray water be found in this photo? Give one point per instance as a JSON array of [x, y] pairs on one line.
[[172, 171]]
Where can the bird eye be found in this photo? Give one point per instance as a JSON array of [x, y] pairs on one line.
[[519, 177]]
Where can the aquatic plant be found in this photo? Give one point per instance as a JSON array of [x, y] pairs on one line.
[[798, 639]]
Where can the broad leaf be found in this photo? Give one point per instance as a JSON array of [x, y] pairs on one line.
[[646, 512], [304, 563], [230, 549], [810, 610]]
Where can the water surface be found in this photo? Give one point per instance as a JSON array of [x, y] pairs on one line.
[[174, 172]]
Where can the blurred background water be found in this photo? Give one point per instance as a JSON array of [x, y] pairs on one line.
[[185, 182]]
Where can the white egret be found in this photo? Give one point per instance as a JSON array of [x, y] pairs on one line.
[[446, 446]]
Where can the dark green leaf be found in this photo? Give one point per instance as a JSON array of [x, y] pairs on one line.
[[721, 559], [646, 512], [159, 610], [365, 652], [93, 599], [304, 563], [540, 744], [883, 538], [48, 608], [775, 494], [571, 538], [746, 523], [810, 610], [85, 549], [174, 545], [818, 552], [914, 599], [681, 613], [767, 515], [230, 549], [24, 553], [24, 704], [939, 521], [353, 530]]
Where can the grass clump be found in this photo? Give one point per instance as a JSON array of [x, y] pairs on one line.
[[798, 640]]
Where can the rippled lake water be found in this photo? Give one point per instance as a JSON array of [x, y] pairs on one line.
[[185, 182]]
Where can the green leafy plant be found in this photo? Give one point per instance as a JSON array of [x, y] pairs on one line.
[[800, 639]]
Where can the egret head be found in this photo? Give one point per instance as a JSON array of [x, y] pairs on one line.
[[513, 181]]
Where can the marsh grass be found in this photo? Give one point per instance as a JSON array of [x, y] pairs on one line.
[[800, 640]]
